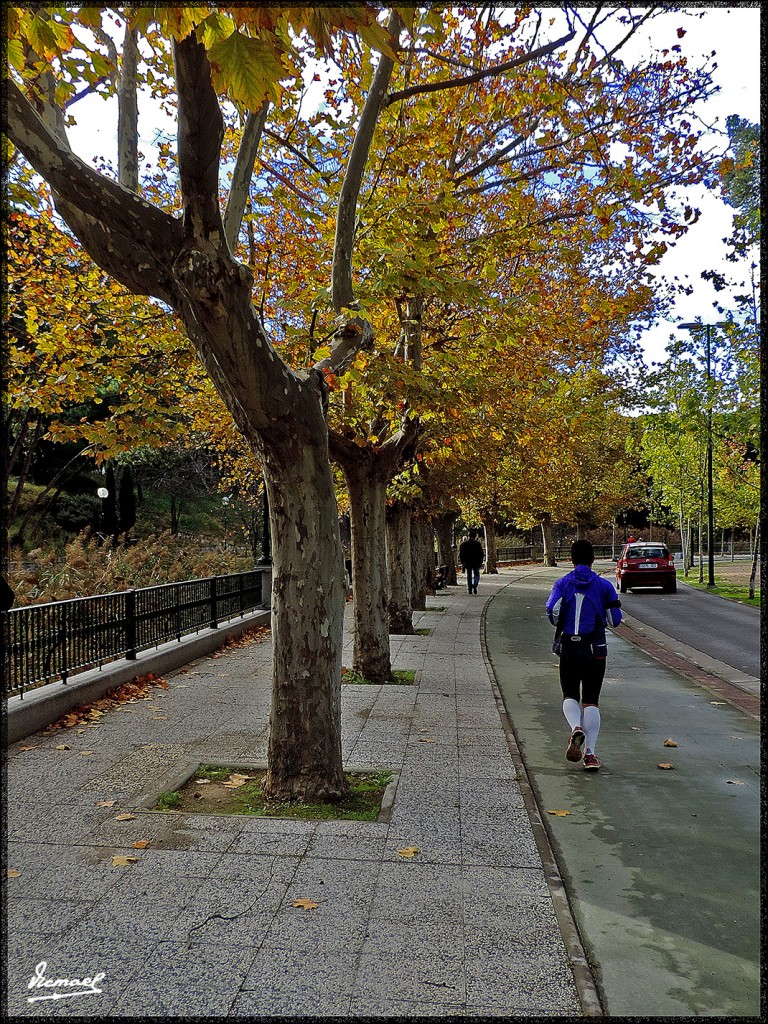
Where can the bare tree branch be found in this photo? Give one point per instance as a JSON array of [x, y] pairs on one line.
[[341, 275], [241, 176], [128, 114], [148, 229], [497, 69], [355, 336], [201, 132]]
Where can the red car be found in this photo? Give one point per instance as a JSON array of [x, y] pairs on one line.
[[646, 563]]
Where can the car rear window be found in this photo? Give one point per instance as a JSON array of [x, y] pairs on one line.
[[648, 552]]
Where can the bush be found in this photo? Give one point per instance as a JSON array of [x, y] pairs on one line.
[[77, 511], [90, 567]]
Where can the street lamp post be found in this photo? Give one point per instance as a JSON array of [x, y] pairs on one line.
[[710, 482]]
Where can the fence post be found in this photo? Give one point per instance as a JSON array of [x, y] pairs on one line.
[[214, 616], [64, 641], [130, 625]]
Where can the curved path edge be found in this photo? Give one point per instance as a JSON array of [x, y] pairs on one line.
[[583, 976]]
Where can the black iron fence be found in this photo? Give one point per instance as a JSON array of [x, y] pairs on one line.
[[45, 643]]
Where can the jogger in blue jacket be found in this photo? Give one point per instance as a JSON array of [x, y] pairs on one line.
[[581, 605]]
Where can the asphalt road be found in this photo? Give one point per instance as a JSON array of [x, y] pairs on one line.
[[718, 628], [661, 866]]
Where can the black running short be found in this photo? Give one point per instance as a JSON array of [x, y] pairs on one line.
[[581, 678]]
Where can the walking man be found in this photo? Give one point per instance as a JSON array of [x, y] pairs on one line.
[[471, 557], [580, 606]]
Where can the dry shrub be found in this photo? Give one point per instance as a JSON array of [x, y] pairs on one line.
[[90, 567]]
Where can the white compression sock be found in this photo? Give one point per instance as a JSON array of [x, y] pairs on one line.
[[591, 726], [572, 712]]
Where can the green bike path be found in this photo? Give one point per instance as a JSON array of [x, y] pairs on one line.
[[661, 865]]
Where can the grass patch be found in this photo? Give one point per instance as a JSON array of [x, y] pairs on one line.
[[400, 677], [730, 591], [170, 801], [206, 793], [422, 632]]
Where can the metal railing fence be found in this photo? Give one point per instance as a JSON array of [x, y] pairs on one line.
[[46, 643]]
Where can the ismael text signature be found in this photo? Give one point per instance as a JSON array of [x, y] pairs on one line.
[[86, 986]]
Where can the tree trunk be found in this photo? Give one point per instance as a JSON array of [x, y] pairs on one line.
[[428, 565], [445, 547], [683, 542], [418, 576], [489, 529], [755, 556], [367, 487], [701, 544], [307, 626], [399, 565], [546, 535]]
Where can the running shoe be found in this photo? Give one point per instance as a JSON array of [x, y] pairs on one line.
[[591, 764], [575, 743]]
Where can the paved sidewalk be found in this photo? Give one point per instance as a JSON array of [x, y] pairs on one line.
[[202, 924]]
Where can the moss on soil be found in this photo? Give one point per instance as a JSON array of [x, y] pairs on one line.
[[400, 677], [205, 793]]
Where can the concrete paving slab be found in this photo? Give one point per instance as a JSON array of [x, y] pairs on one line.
[[218, 934]]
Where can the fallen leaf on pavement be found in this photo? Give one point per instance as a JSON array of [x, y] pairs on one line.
[[670, 743], [12, 873], [106, 803], [125, 817], [63, 746], [409, 851], [425, 739], [26, 748], [560, 814], [665, 766], [735, 782], [140, 844], [718, 703], [85, 753], [305, 904], [635, 728], [121, 860]]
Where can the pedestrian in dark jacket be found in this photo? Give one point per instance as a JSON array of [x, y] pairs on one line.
[[471, 558], [581, 605]]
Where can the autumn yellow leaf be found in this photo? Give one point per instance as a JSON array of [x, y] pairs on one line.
[[140, 844], [125, 817], [63, 746], [305, 904], [560, 814], [27, 748], [670, 743], [409, 851], [85, 753], [12, 873], [123, 860], [665, 765], [106, 803], [425, 739]]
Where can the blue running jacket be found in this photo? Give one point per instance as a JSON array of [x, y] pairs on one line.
[[591, 602]]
